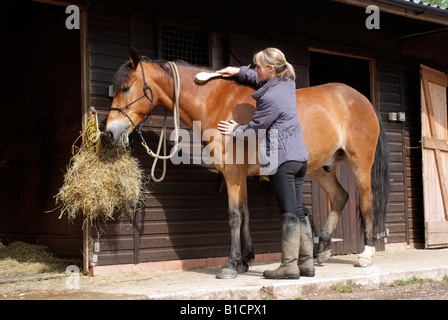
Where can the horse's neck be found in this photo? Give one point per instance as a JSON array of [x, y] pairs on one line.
[[185, 114], [191, 107], [205, 103]]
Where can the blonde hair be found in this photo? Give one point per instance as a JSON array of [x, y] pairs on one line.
[[274, 57]]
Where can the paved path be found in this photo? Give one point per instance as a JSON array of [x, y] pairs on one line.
[[200, 283]]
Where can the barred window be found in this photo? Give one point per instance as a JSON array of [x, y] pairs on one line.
[[181, 44]]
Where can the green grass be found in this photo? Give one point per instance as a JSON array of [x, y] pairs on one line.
[[342, 288], [413, 280]]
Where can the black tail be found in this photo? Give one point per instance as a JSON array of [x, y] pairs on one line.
[[380, 178]]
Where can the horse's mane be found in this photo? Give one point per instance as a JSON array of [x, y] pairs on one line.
[[122, 74]]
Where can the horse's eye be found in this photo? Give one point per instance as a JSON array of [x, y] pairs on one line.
[[124, 89]]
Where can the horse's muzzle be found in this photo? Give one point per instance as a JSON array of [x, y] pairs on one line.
[[118, 133]]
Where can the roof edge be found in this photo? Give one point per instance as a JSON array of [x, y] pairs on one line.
[[412, 10]]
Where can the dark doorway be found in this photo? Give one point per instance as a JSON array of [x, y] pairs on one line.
[[41, 119], [335, 68]]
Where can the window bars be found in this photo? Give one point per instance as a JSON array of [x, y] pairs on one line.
[[187, 45]]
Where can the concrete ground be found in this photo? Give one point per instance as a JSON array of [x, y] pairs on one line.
[[201, 284]]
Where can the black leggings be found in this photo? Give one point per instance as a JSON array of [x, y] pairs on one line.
[[288, 186]]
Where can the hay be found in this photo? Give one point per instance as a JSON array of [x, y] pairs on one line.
[[100, 178], [20, 257]]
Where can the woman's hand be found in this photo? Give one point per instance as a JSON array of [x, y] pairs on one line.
[[229, 72], [226, 127]]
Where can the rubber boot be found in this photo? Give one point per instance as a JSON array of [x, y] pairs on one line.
[[306, 263], [290, 250]]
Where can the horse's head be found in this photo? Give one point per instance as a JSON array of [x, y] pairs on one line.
[[133, 100]]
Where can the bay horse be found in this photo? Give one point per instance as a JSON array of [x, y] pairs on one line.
[[339, 124]]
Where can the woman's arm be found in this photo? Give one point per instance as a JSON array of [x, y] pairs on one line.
[[245, 74], [229, 72], [267, 112], [249, 75]]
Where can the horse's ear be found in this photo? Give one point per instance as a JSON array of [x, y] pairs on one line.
[[133, 57]]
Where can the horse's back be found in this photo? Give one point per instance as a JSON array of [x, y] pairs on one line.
[[334, 98]]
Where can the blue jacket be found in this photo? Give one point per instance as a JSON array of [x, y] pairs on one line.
[[276, 109]]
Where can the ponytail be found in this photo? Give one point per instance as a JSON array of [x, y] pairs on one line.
[[287, 70]]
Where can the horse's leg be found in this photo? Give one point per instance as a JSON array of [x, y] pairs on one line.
[[363, 182], [239, 225], [338, 198], [246, 240]]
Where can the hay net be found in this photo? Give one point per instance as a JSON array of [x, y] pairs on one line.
[[101, 179]]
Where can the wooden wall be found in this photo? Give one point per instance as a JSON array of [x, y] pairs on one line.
[[410, 79], [390, 100], [186, 215], [42, 118]]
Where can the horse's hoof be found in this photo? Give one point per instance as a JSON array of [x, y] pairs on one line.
[[323, 256], [227, 273], [365, 257], [243, 267], [364, 262]]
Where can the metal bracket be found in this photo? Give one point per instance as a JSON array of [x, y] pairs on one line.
[[383, 234], [316, 240], [378, 236], [397, 116], [418, 147]]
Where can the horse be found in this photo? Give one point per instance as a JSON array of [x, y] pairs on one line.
[[339, 124]]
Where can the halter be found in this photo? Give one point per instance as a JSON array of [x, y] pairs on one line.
[[146, 87], [162, 139]]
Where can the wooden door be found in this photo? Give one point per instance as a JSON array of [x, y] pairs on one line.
[[435, 156]]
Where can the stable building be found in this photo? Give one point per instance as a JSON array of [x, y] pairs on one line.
[[395, 52]]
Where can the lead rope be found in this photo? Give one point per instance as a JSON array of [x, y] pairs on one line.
[[162, 139]]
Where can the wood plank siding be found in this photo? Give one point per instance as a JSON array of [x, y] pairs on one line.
[[390, 100], [185, 216], [410, 84]]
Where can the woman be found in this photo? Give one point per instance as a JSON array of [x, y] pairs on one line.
[[277, 113]]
